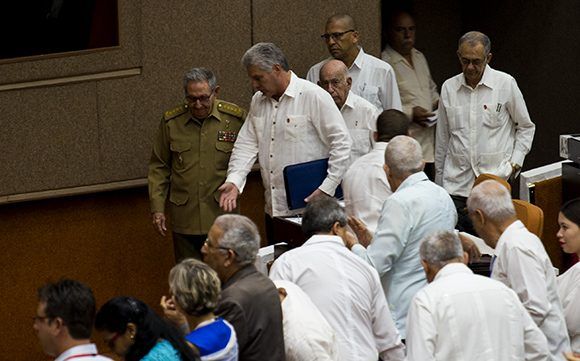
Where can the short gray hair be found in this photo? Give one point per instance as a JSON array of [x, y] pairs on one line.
[[195, 287], [265, 56], [404, 156], [475, 37], [321, 214], [441, 248], [240, 235], [493, 199], [198, 75]]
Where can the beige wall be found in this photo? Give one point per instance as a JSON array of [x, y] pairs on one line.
[[99, 130], [96, 130]]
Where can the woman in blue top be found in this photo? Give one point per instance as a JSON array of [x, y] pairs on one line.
[[136, 333], [196, 289]]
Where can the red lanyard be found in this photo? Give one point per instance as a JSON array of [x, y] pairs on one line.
[[77, 356]]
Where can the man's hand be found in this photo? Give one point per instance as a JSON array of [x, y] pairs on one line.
[[317, 193], [470, 248], [572, 356], [421, 115], [516, 168], [173, 315], [229, 196], [158, 219], [360, 229], [349, 239]]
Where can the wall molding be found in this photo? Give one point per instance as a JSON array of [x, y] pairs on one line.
[[72, 79]]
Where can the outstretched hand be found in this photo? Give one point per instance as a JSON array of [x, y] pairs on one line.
[[229, 196]]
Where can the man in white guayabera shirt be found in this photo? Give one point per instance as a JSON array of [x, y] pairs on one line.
[[372, 78]]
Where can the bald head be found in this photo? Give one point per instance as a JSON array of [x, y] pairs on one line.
[[493, 200], [404, 157], [345, 19], [335, 80]]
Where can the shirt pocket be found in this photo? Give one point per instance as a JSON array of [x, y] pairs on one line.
[[222, 154], [180, 153], [494, 115], [361, 141], [295, 127], [370, 93], [454, 118], [407, 94]]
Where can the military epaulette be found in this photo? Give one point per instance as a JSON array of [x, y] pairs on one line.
[[231, 109], [170, 114]]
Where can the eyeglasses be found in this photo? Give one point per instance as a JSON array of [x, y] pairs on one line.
[[475, 62], [204, 99], [335, 36], [209, 245], [111, 342]]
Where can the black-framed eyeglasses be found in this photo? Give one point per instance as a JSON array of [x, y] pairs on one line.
[[209, 245], [203, 99], [335, 36]]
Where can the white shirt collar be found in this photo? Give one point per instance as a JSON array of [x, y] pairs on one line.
[[451, 269], [89, 348], [412, 180], [359, 60], [323, 238], [486, 79], [349, 101], [505, 235]]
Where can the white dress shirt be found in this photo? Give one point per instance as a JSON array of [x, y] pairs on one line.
[[365, 187], [307, 335], [304, 125], [481, 130], [569, 292], [416, 209], [462, 316], [348, 293], [360, 117], [372, 79], [87, 352], [416, 88], [523, 265]]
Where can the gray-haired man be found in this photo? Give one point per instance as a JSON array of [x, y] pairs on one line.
[[189, 161], [417, 208], [460, 313], [521, 261], [291, 121], [249, 300]]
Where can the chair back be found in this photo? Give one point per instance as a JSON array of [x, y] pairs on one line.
[[531, 216], [487, 176]]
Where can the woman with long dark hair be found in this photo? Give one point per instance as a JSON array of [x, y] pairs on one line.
[[569, 283], [136, 333]]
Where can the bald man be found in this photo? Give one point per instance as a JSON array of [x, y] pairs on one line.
[[372, 78], [520, 261], [359, 115]]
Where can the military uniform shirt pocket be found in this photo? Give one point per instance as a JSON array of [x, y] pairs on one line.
[[179, 154]]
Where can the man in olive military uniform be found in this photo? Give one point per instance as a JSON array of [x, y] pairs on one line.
[[189, 161]]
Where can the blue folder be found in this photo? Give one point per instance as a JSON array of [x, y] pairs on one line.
[[301, 179]]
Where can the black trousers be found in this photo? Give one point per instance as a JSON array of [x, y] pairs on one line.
[[187, 245]]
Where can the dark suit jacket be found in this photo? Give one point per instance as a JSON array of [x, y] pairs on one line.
[[250, 302]]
